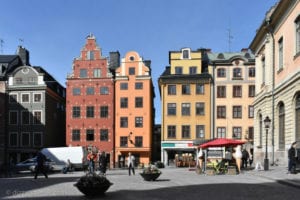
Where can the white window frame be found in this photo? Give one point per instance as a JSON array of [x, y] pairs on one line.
[[34, 97], [16, 98], [189, 53], [24, 111], [13, 133], [25, 133], [34, 135], [28, 97], [42, 121], [13, 111]]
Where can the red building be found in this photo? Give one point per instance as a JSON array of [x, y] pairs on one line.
[[90, 101]]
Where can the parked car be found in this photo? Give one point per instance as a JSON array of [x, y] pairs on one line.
[[29, 165]]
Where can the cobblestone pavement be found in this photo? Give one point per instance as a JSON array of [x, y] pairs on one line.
[[174, 183]]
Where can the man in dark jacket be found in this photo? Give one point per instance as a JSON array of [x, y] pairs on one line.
[[40, 159], [292, 158]]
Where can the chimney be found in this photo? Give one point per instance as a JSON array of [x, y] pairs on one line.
[[114, 61], [244, 50], [24, 55]]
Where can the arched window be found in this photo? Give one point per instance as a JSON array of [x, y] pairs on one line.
[[281, 128], [260, 129], [297, 117]]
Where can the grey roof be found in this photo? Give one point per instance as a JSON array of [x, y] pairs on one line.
[[228, 57]]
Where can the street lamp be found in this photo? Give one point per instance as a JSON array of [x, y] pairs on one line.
[[267, 123]]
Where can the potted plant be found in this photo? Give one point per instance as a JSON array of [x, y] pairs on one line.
[[150, 173], [93, 184]]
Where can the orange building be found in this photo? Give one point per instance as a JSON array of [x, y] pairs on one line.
[[134, 111], [90, 101]]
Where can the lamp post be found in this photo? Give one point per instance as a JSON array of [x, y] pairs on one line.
[[267, 122]]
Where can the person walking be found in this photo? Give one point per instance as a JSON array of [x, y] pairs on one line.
[[238, 157], [91, 157], [102, 163], [40, 159], [292, 158], [245, 157], [130, 163]]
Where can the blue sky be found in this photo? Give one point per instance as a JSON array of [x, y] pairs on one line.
[[54, 31]]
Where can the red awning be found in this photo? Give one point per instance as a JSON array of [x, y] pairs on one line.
[[221, 142]]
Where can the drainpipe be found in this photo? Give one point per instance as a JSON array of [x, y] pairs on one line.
[[213, 100], [271, 32]]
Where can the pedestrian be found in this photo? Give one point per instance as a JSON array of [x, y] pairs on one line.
[[292, 159], [130, 163], [102, 163], [238, 157], [91, 157], [251, 157], [200, 159], [245, 157], [40, 160]]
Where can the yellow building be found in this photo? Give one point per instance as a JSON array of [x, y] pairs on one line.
[[185, 91]]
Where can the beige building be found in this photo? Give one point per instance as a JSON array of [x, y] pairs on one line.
[[276, 46], [234, 90]]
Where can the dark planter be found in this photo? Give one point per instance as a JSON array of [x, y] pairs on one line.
[[150, 176], [93, 185]]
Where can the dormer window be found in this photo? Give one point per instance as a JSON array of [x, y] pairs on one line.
[[186, 54]]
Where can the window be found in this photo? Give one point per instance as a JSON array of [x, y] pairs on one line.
[[18, 81], [237, 91], [131, 71], [25, 117], [186, 54], [138, 102], [13, 139], [138, 85], [251, 111], [90, 55], [280, 53], [76, 112], [37, 98], [237, 73], [104, 90], [124, 122], [171, 89], [185, 131], [123, 141], [297, 22], [185, 109], [250, 133], [76, 135], [221, 112], [237, 132], [221, 91], [193, 70], [13, 98], [76, 91], [199, 88], [186, 89], [13, 117], [171, 131], [281, 116], [104, 135], [90, 135], [104, 111], [200, 131], [221, 132], [221, 73], [200, 108], [139, 122], [25, 98], [90, 91], [251, 91], [124, 102], [124, 86], [251, 72], [25, 139], [171, 108], [178, 70], [97, 73], [83, 73], [90, 111], [37, 139], [263, 66], [237, 112], [138, 141], [37, 117]]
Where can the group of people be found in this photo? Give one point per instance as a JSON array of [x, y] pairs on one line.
[[93, 157]]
